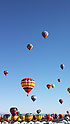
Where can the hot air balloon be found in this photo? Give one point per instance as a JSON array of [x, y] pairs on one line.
[[22, 117], [45, 34], [48, 117], [29, 46], [7, 117], [14, 118], [6, 72], [48, 86], [33, 97], [28, 117], [38, 111], [62, 66], [53, 85], [59, 80], [67, 112], [13, 111], [61, 101], [38, 117], [27, 84], [60, 116], [68, 90]]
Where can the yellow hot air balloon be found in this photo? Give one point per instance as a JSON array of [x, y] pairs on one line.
[[28, 117], [38, 117]]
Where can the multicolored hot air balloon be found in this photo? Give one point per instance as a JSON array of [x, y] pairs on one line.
[[48, 86], [13, 111], [28, 117], [33, 97], [45, 34], [6, 72], [7, 117], [62, 66], [29, 46], [68, 90], [27, 84], [14, 118], [61, 101]]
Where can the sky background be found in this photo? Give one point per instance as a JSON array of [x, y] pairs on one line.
[[21, 23]]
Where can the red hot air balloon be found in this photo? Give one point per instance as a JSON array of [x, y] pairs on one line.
[[61, 101], [29, 46], [27, 84], [67, 112]]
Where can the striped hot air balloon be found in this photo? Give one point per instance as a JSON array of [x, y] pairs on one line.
[[27, 84]]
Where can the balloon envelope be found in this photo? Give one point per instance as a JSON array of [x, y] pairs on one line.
[[29, 46], [27, 84], [62, 66], [61, 101], [59, 80], [33, 98], [53, 85], [68, 90], [6, 72], [45, 34], [48, 86], [38, 111]]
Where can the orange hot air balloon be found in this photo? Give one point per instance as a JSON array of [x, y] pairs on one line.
[[6, 72], [29, 46], [27, 84], [48, 86], [61, 101], [59, 80]]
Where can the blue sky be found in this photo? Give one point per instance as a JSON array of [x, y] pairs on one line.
[[22, 22]]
